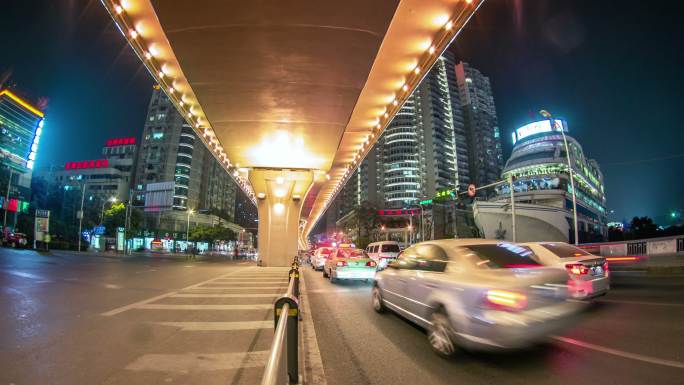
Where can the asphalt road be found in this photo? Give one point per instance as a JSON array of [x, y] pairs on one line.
[[635, 335], [68, 319]]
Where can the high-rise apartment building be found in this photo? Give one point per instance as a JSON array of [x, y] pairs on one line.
[[422, 151], [170, 151], [481, 125], [444, 137]]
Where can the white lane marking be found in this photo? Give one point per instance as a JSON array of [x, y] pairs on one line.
[[236, 287], [24, 275], [255, 279], [145, 271], [225, 295], [223, 326], [620, 353], [238, 283], [157, 306], [111, 286], [641, 303], [146, 301], [194, 362]]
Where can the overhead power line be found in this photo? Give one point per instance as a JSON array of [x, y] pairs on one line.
[[628, 162]]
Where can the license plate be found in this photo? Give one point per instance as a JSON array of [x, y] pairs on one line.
[[598, 270]]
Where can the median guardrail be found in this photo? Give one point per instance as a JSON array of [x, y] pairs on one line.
[[283, 361]]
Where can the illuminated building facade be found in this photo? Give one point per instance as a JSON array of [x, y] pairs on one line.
[[539, 164], [105, 178], [21, 126]]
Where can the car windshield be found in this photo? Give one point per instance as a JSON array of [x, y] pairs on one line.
[[563, 250], [389, 248], [351, 253], [503, 256]]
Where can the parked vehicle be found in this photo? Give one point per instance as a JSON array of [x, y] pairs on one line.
[[589, 274], [16, 240], [349, 263], [319, 257], [383, 252], [475, 293]]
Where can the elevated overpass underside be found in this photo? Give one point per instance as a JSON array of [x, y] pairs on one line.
[[289, 95]]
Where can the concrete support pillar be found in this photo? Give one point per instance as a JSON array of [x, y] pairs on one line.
[[280, 195]]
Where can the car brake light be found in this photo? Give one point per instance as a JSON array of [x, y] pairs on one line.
[[605, 268], [507, 299], [371, 263], [341, 263], [577, 269]]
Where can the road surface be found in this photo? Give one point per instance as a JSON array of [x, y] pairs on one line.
[[90, 320], [632, 336]]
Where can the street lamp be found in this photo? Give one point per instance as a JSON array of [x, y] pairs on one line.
[[547, 115], [9, 184], [80, 215], [187, 229]]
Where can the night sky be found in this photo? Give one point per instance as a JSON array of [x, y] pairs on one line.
[[611, 68]]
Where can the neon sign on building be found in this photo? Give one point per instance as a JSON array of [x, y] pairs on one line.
[[85, 164]]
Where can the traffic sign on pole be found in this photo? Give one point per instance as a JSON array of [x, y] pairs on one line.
[[471, 190]]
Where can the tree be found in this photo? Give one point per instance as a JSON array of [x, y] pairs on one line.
[[643, 227], [211, 234], [115, 217]]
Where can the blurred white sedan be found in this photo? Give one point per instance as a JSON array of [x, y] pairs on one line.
[[589, 275], [475, 293]]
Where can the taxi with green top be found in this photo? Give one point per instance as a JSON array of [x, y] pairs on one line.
[[349, 263]]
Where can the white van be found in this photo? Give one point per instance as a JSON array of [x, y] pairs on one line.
[[383, 252]]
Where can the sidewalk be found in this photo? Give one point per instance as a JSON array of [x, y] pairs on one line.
[[146, 254]]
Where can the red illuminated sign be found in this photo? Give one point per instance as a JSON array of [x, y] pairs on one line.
[[399, 212], [120, 142], [99, 163]]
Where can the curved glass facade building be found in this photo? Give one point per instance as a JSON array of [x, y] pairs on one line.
[[539, 164]]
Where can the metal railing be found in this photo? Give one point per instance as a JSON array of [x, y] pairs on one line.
[[283, 361]]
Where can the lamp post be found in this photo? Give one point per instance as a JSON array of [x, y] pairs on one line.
[[9, 184], [511, 188], [187, 229], [80, 215], [126, 220], [554, 124]]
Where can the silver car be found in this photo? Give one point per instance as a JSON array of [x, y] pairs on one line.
[[475, 293], [589, 274]]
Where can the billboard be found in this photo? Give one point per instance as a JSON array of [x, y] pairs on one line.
[[538, 127], [159, 196]]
